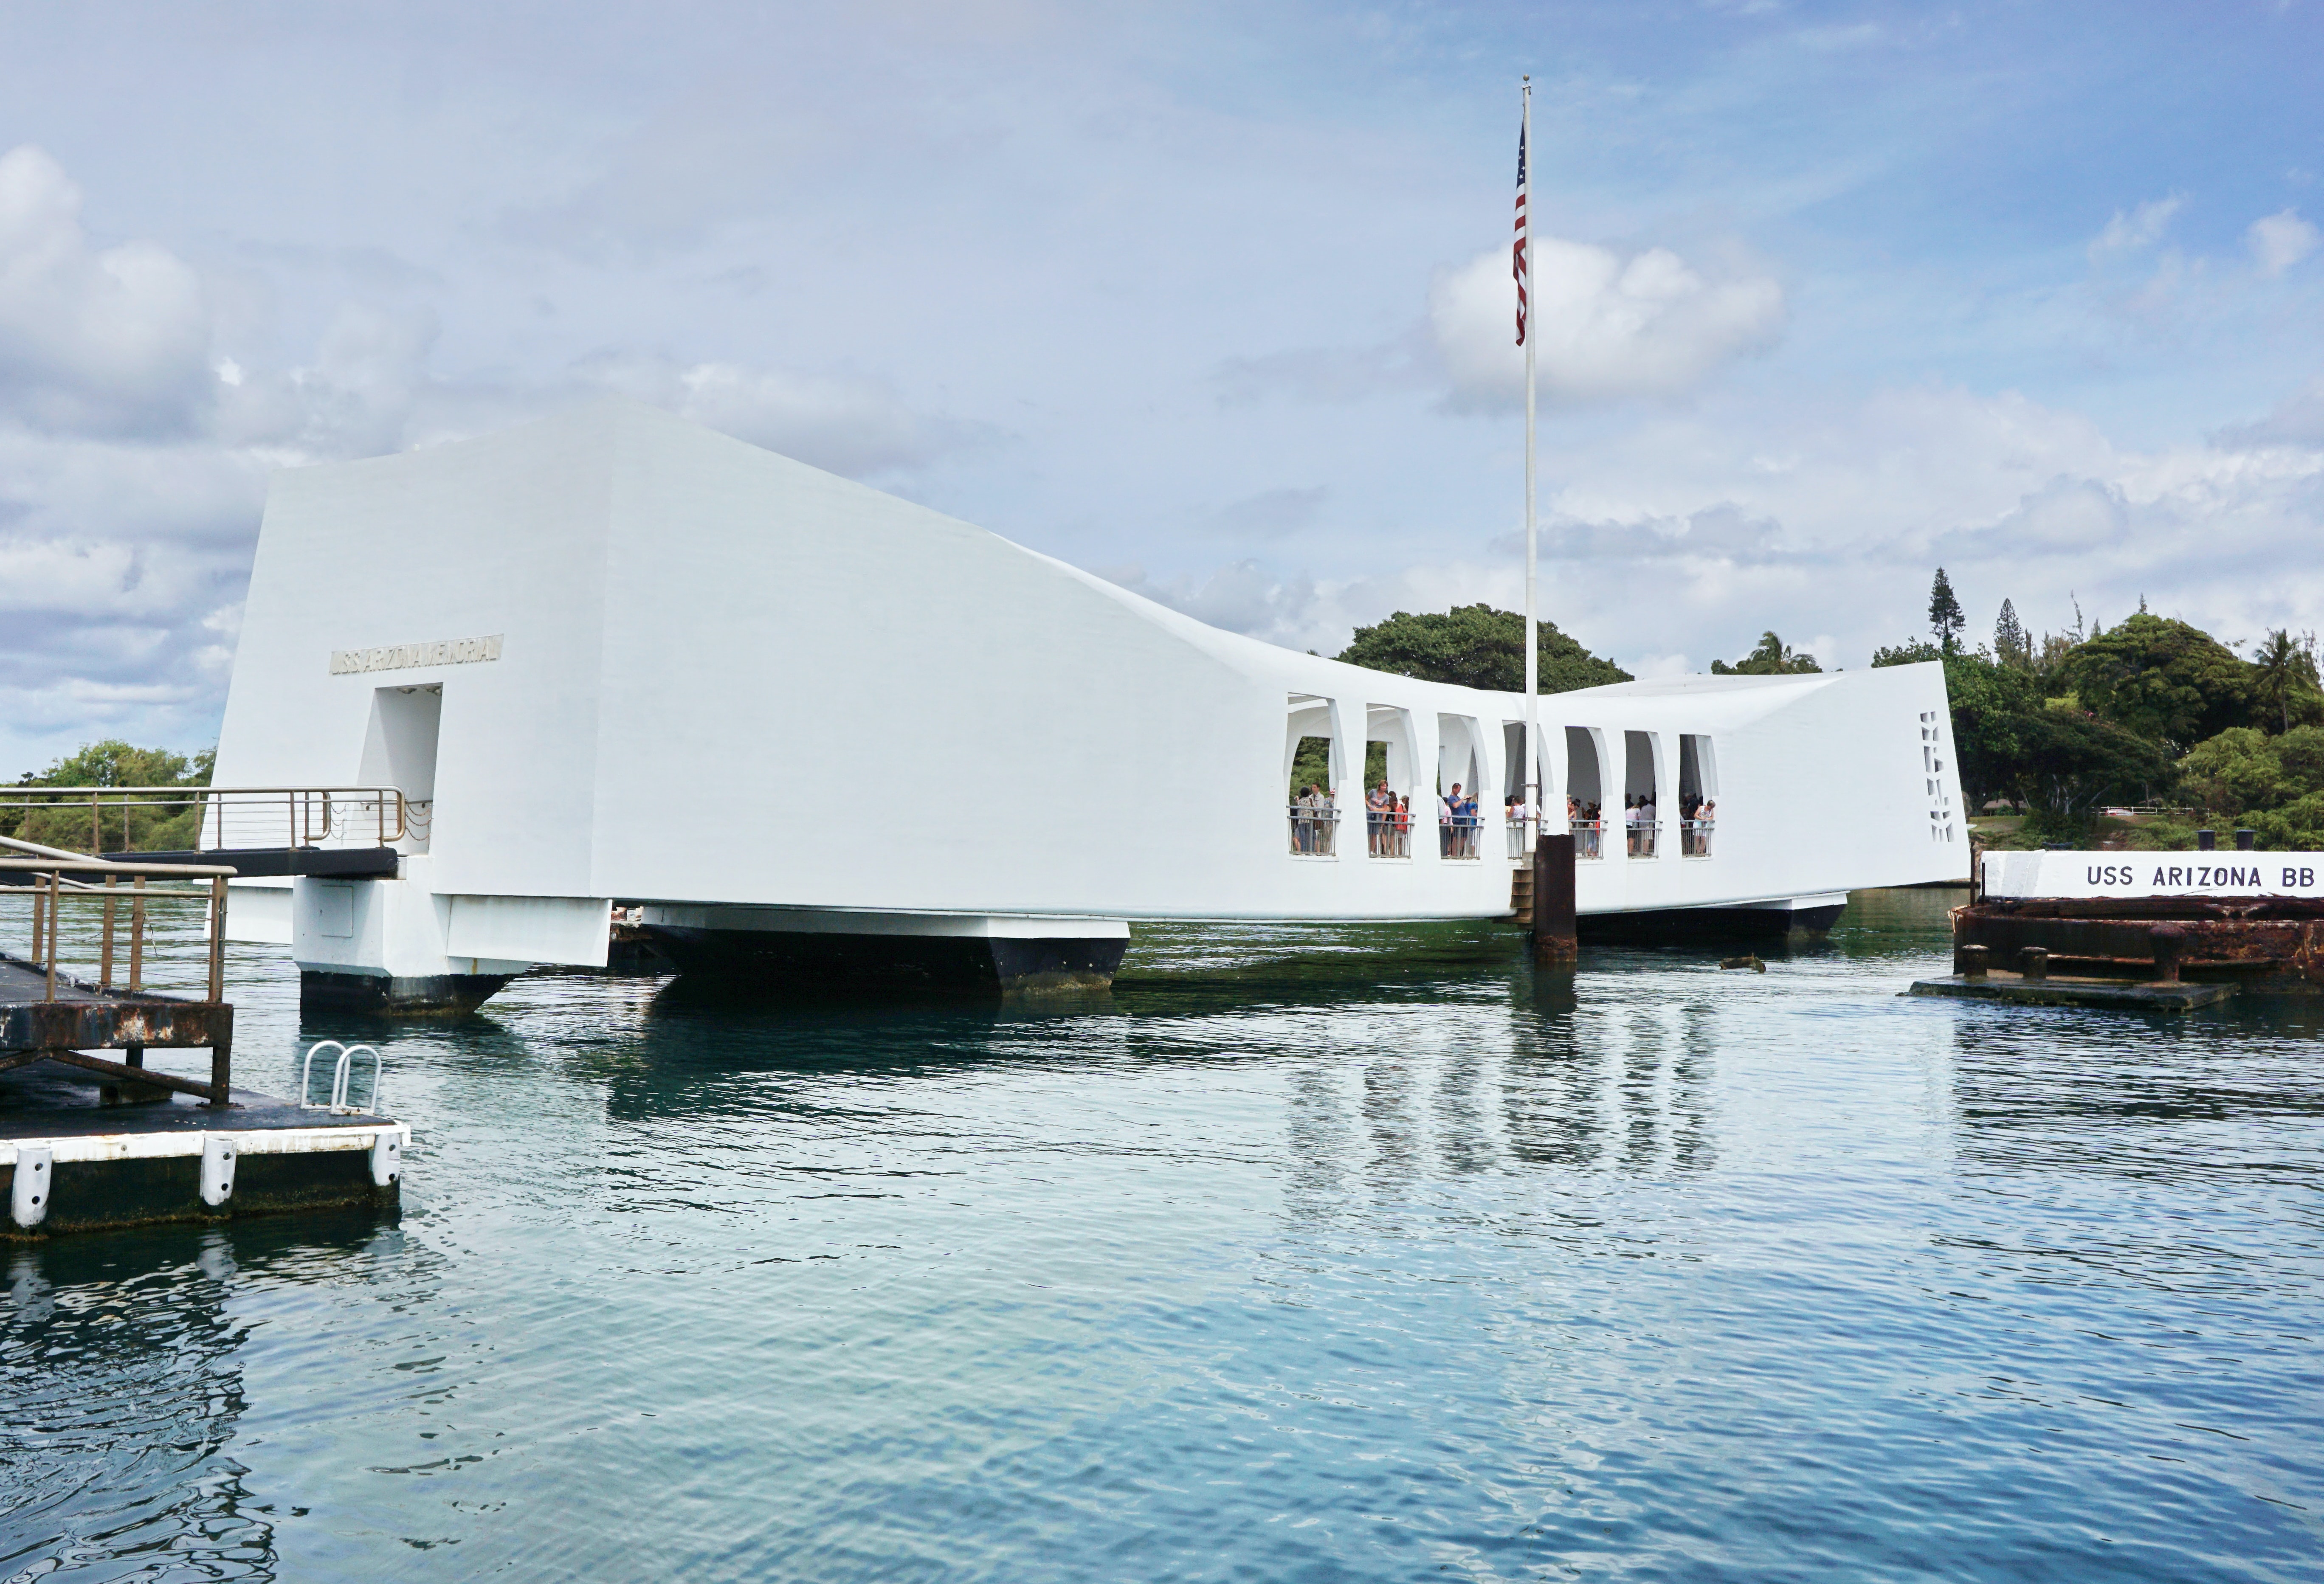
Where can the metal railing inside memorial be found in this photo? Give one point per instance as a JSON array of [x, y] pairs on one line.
[[1388, 832], [1642, 838], [1461, 836], [1314, 829], [1520, 838], [1589, 838], [183, 819], [1694, 838]]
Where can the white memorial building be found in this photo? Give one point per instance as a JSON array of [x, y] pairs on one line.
[[820, 733]]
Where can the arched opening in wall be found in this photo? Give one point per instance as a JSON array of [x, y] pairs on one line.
[[1697, 795], [1459, 767], [1521, 795], [400, 751], [1641, 815], [1585, 793], [1312, 771], [1388, 781]]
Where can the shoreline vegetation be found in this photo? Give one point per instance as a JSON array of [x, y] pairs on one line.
[[2129, 738], [157, 823]]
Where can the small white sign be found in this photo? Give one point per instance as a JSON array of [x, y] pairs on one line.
[[2153, 874], [403, 657]]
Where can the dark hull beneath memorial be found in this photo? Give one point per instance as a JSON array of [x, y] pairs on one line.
[[444, 995], [805, 963]]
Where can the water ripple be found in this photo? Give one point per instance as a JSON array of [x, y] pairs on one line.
[[1318, 1254]]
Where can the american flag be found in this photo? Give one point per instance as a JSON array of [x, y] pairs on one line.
[[1518, 249]]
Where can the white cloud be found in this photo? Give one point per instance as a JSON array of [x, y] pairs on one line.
[[114, 341], [1608, 327], [139, 421], [1679, 541], [2138, 229], [852, 426], [2280, 241]]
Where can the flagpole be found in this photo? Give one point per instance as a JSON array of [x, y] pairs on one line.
[[1532, 617]]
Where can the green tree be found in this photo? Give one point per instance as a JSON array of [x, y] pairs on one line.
[[1911, 652], [2275, 785], [2297, 827], [1771, 659], [2069, 764], [2237, 769], [1945, 617], [2300, 753], [2010, 646], [2162, 679], [153, 823], [1477, 645], [1990, 708], [2283, 685]]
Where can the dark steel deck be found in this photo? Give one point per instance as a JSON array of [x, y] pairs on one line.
[[114, 1163]]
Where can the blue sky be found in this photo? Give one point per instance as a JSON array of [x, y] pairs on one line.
[[1210, 299]]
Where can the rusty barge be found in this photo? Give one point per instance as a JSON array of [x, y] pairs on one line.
[[2167, 931]]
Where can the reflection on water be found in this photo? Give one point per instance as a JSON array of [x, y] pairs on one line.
[[1332, 1252]]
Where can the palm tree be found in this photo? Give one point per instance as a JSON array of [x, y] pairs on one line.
[[2284, 669]]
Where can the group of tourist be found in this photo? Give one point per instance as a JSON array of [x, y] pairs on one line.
[[1313, 819], [1388, 823], [1456, 823]]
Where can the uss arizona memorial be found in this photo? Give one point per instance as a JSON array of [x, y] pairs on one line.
[[812, 730]]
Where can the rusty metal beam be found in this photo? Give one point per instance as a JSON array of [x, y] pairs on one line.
[[213, 1091], [114, 1023]]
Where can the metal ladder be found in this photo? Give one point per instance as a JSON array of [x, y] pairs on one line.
[[341, 1071]]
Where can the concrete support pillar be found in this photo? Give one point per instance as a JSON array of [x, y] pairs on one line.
[[379, 946]]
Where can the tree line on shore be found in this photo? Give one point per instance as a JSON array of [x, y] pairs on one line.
[[2153, 710], [156, 823]]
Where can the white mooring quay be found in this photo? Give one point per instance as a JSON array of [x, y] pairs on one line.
[[819, 733]]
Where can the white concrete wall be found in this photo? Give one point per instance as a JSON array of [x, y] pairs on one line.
[[727, 678]]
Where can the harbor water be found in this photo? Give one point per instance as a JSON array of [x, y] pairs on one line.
[[1312, 1254]]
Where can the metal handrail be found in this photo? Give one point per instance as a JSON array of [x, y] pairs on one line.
[[1457, 837], [1589, 838], [1314, 829], [1642, 838], [1695, 837], [48, 912], [1387, 832], [308, 815], [117, 866]]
